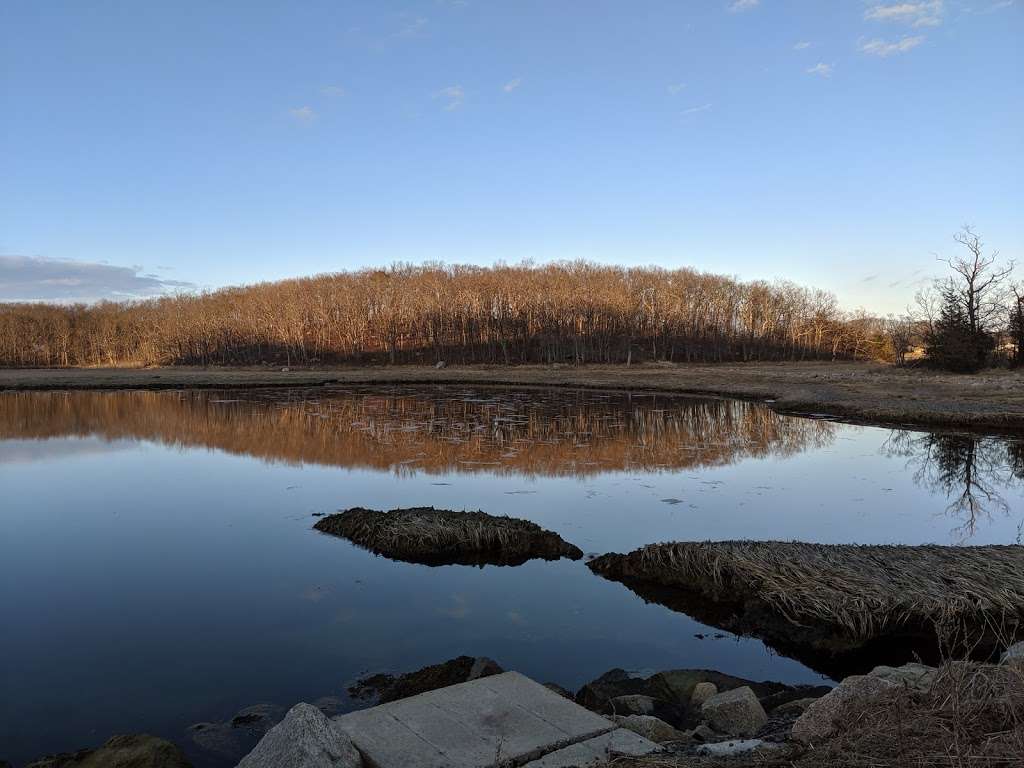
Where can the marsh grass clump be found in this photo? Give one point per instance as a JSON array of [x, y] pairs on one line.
[[440, 537], [965, 596]]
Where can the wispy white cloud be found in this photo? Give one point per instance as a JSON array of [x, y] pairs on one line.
[[512, 84], [411, 26], [303, 114], [36, 278], [885, 48], [802, 46], [675, 88], [738, 6], [1000, 5], [922, 13], [332, 90], [695, 110], [821, 69], [453, 96]]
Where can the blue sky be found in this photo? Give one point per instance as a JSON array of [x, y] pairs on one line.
[[154, 146]]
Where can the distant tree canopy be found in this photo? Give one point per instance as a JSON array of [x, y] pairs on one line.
[[574, 312]]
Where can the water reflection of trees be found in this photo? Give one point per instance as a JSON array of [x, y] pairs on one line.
[[973, 472], [534, 432]]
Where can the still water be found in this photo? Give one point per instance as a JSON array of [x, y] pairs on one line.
[[158, 565]]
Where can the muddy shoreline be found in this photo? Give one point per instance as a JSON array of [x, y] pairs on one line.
[[866, 393]]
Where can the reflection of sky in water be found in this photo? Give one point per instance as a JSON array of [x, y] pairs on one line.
[[146, 587], [25, 451]]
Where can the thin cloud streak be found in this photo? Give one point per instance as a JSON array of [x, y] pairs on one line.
[[36, 278], [884, 48], [738, 6]]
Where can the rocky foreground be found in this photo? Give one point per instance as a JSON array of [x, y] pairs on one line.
[[957, 714]]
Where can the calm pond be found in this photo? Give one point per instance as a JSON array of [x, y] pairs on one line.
[[158, 564]]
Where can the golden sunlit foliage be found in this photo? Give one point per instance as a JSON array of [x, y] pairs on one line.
[[573, 312]]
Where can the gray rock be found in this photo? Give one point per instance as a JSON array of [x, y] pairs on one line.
[[701, 693], [596, 694], [304, 739], [919, 677], [558, 689], [632, 704], [793, 708], [824, 717], [1014, 654], [707, 734], [676, 685], [733, 747], [651, 728], [736, 712]]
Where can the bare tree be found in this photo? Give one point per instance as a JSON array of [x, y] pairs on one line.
[[977, 282]]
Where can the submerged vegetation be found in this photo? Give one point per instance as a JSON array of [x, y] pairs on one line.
[[440, 537], [827, 604]]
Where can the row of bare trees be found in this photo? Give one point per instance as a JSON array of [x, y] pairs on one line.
[[574, 312]]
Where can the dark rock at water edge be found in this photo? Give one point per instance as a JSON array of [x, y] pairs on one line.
[[670, 693], [431, 536], [132, 751], [233, 738], [384, 687]]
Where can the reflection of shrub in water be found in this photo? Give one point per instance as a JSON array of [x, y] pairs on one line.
[[533, 432], [971, 471]]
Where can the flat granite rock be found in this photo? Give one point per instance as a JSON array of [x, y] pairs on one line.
[[597, 751], [478, 724]]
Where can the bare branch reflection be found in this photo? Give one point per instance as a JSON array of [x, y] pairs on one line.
[[972, 472]]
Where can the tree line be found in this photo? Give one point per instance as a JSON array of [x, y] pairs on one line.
[[571, 312]]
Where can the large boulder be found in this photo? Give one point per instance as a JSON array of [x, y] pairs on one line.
[[918, 677], [677, 685], [304, 739], [649, 727], [633, 704], [825, 716], [135, 751], [736, 712], [701, 693], [596, 694]]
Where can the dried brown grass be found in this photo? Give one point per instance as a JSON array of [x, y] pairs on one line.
[[428, 535], [863, 591]]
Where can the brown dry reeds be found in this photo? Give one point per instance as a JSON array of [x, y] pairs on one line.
[[856, 592], [438, 536]]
